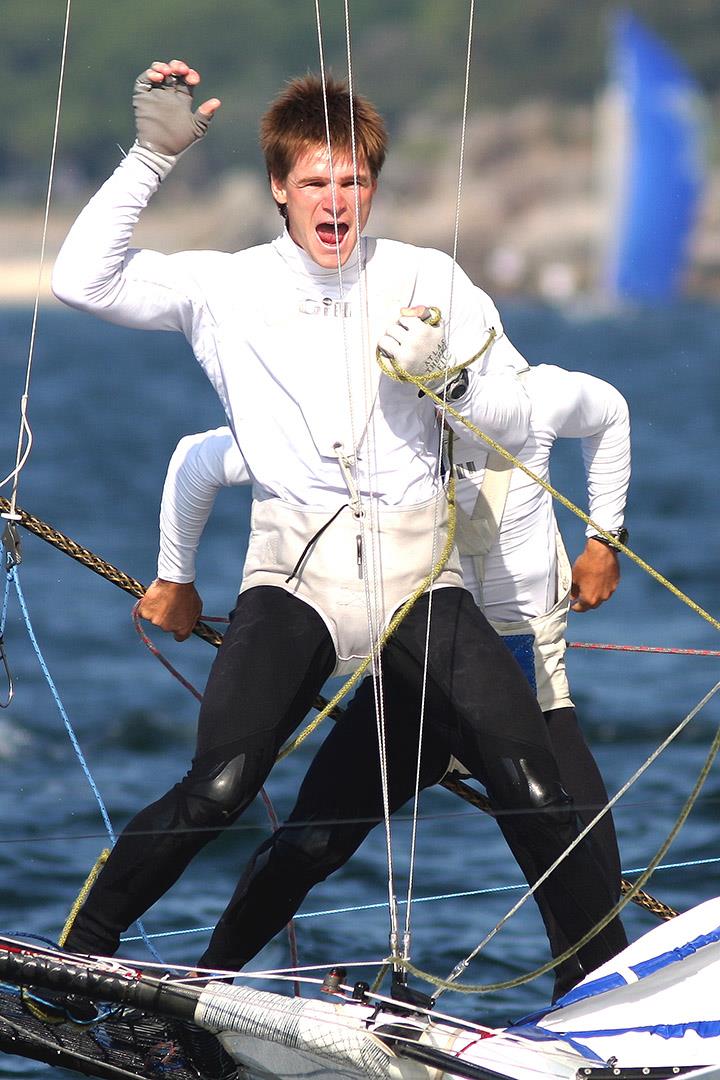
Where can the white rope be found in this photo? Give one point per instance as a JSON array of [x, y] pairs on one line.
[[460, 967], [25, 437], [371, 565], [376, 602], [456, 234]]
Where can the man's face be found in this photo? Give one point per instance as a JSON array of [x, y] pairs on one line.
[[317, 226]]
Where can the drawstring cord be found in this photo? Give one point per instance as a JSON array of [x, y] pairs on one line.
[[311, 541], [354, 504]]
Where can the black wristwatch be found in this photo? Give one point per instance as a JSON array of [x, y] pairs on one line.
[[457, 387], [621, 535]]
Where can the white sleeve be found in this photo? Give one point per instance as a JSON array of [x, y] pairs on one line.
[[495, 401], [200, 465], [595, 412], [97, 271], [497, 404]]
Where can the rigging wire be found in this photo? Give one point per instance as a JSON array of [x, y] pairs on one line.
[[25, 436], [14, 575], [369, 565], [3, 655], [659, 649], [372, 554], [443, 419], [25, 432], [451, 984]]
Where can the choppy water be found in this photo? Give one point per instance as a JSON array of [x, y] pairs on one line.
[[107, 406]]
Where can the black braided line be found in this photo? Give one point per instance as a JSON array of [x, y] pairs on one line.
[[475, 798], [130, 585]]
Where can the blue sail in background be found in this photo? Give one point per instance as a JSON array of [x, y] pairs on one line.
[[660, 176]]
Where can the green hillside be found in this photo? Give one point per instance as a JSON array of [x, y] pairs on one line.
[[408, 55]]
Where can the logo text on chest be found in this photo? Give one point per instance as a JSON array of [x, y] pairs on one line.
[[338, 309]]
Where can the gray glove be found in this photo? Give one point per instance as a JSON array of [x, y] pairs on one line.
[[164, 118]]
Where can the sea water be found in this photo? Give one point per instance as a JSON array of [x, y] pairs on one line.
[[107, 406]]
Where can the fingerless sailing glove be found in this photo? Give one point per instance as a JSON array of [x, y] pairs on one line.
[[165, 122]]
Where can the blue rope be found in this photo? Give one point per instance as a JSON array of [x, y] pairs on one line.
[[5, 604], [3, 654], [144, 936], [61, 709], [428, 899], [13, 574]]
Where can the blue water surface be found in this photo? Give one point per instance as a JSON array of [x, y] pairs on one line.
[[107, 406]]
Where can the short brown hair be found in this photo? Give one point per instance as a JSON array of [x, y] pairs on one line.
[[296, 121]]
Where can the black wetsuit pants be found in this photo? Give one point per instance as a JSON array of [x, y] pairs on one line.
[[341, 800], [275, 657]]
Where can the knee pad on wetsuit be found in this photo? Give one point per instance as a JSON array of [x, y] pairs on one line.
[[216, 791], [532, 786], [309, 853], [312, 846]]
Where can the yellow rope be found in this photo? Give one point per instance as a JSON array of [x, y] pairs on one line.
[[37, 1008], [82, 895], [393, 370], [477, 799], [629, 894], [421, 381], [391, 627]]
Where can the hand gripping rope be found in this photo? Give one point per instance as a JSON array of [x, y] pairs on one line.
[[128, 584]]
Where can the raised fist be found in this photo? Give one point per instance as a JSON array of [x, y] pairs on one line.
[[162, 100]]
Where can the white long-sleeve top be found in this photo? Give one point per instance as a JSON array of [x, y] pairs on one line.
[[290, 347], [519, 580]]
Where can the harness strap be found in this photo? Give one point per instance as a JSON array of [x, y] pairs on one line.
[[478, 530]]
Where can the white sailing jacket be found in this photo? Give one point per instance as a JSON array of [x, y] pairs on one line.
[[290, 348]]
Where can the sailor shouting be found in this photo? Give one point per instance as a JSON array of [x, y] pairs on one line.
[[349, 513], [515, 566]]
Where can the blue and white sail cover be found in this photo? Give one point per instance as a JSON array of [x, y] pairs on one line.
[[657, 168], [654, 1004]]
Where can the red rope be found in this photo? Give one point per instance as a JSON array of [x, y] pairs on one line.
[[272, 816], [270, 809], [642, 649], [159, 656]]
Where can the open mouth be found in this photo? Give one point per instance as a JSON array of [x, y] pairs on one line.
[[331, 235]]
